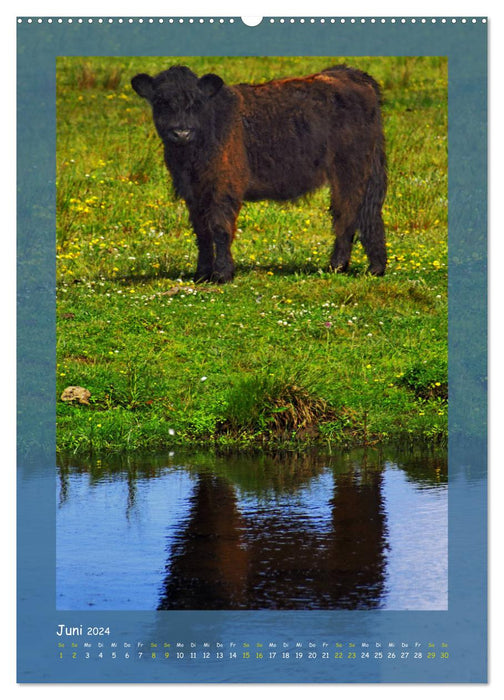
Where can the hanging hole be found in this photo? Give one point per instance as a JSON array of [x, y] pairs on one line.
[[251, 21]]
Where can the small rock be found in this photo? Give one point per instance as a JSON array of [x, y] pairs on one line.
[[76, 393]]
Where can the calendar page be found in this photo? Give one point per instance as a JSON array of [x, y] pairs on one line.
[[252, 349]]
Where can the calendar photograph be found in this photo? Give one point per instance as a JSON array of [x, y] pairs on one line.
[[252, 303]]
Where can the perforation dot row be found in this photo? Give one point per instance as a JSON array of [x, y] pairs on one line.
[[273, 20], [121, 20]]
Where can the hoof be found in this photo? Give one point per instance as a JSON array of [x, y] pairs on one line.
[[376, 270], [339, 268], [223, 273], [222, 277], [200, 277]]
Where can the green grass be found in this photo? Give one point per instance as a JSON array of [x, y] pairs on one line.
[[288, 354]]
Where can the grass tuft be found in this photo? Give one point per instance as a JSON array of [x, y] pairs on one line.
[[427, 381], [280, 406]]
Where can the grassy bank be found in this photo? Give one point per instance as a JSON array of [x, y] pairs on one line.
[[288, 354]]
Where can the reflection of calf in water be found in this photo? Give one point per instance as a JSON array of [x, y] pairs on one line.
[[224, 560], [209, 564]]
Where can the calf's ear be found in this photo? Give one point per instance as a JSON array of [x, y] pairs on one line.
[[210, 84], [143, 85]]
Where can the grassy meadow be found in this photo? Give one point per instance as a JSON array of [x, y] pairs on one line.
[[287, 355]]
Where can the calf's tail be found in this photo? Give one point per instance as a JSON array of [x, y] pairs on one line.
[[369, 217]]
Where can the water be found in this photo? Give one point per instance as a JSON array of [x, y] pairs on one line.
[[362, 530]]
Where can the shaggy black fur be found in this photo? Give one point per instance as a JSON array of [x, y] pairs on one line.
[[224, 144]]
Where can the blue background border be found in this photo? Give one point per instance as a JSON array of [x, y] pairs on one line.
[[463, 626]]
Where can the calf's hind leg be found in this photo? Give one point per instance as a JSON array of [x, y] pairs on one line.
[[342, 250], [372, 234], [344, 227]]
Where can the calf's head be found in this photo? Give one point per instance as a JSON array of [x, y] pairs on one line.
[[180, 102]]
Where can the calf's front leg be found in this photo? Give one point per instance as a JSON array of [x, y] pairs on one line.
[[205, 265], [222, 222], [215, 229], [204, 241], [224, 267]]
